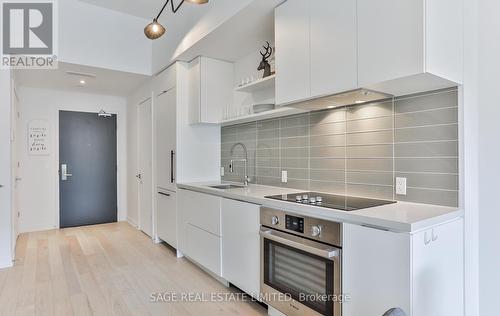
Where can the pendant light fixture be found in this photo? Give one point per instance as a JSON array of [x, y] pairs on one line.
[[154, 29]]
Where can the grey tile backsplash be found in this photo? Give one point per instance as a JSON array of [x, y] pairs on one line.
[[358, 150]]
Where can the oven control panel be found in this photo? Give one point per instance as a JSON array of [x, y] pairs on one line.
[[294, 223], [325, 231]]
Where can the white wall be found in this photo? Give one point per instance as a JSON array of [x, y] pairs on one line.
[[190, 24], [39, 200], [489, 156], [94, 36], [5, 170]]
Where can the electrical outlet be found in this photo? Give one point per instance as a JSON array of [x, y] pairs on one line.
[[284, 176], [401, 186], [221, 171]]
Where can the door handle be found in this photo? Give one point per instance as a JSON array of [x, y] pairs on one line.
[[64, 172], [172, 155], [434, 235]]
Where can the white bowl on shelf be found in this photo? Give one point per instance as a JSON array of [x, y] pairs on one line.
[[259, 108]]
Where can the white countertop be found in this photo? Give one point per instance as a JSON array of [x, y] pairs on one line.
[[399, 217]]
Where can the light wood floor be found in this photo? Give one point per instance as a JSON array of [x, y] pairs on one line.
[[105, 270]]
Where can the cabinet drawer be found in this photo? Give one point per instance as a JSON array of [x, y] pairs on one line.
[[204, 248], [166, 217], [201, 210]]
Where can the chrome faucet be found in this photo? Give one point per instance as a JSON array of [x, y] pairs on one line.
[[245, 160]]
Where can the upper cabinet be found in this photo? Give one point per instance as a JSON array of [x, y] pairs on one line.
[[332, 40], [390, 39], [292, 55], [210, 89], [315, 49], [404, 38], [324, 47]]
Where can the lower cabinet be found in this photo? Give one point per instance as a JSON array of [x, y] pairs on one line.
[[166, 217], [222, 235], [437, 271], [204, 248], [421, 273], [241, 245], [199, 229]]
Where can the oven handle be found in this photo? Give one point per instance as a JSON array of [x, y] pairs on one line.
[[312, 247]]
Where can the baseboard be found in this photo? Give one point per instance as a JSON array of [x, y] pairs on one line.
[[34, 229], [132, 222], [6, 263]]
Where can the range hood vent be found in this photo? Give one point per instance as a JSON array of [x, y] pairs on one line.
[[353, 97]]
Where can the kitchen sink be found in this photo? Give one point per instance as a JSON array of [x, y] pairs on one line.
[[226, 186]]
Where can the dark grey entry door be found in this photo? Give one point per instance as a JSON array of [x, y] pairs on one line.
[[87, 169]]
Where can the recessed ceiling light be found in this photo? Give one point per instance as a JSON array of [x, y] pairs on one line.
[[359, 101], [82, 82], [331, 107]]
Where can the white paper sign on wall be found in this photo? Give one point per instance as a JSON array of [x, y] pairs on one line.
[[38, 137]]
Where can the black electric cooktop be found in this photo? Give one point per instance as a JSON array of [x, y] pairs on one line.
[[338, 202]]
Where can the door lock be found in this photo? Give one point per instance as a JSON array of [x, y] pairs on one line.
[[64, 172]]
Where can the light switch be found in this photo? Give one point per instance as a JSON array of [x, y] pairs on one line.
[[284, 176], [401, 186], [221, 171]]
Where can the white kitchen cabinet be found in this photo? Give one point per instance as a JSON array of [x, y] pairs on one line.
[[241, 245], [165, 120], [417, 39], [421, 273], [292, 56], [210, 89], [332, 46], [437, 271], [201, 210], [199, 218], [204, 248], [315, 49], [167, 217], [398, 47]]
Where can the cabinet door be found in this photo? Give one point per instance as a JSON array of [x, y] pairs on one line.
[[390, 39], [194, 97], [241, 245], [216, 89], [292, 51], [376, 271], [333, 46], [166, 139], [204, 248], [438, 271], [201, 210], [167, 217]]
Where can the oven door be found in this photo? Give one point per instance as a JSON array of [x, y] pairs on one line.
[[307, 272]]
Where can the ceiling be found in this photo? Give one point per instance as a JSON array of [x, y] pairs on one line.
[[108, 82], [146, 9]]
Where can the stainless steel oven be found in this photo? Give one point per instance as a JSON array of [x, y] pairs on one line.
[[301, 263]]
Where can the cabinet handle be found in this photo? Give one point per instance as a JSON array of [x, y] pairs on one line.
[[172, 154], [427, 240], [166, 194], [434, 236]]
